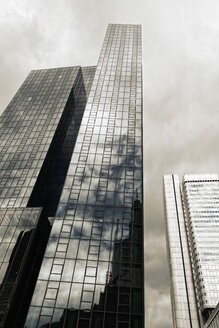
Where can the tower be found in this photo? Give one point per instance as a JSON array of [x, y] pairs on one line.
[[192, 212], [82, 180]]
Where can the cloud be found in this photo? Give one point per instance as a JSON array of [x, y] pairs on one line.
[[158, 314], [20, 40], [156, 262], [181, 75]]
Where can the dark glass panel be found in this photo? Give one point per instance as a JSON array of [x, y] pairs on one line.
[[137, 298], [137, 321], [110, 320], [97, 320], [111, 298]]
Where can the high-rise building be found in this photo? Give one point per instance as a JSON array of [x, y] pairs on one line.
[[71, 193], [192, 225]]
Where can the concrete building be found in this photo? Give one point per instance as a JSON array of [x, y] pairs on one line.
[[192, 213]]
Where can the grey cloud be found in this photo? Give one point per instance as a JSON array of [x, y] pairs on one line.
[[20, 41], [156, 264], [181, 75], [158, 314]]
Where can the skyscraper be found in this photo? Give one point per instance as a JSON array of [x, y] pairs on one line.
[[192, 212], [71, 197]]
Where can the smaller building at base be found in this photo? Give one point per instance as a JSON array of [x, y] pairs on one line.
[[213, 321]]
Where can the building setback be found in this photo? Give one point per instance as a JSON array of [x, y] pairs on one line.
[[71, 193], [192, 212]]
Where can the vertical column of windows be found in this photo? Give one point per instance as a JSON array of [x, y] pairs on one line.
[[202, 195]]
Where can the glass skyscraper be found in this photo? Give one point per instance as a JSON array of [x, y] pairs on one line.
[[192, 212], [71, 193]]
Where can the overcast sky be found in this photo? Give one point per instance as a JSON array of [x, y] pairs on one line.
[[181, 90]]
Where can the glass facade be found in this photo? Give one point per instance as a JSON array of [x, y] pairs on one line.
[[38, 132], [193, 244], [49, 184], [83, 172], [31, 131], [23, 237]]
